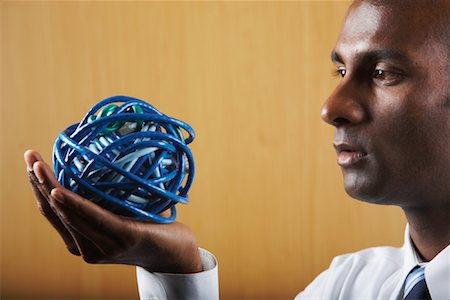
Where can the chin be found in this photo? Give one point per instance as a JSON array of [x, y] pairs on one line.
[[364, 196], [365, 191]]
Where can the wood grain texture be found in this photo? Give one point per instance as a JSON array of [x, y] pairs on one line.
[[250, 77]]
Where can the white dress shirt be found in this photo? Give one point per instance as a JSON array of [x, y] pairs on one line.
[[197, 286], [373, 273]]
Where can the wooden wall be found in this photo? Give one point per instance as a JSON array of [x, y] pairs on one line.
[[250, 77]]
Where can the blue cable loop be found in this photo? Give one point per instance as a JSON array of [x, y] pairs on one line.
[[128, 157]]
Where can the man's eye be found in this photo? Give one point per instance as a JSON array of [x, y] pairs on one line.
[[340, 72], [379, 74], [387, 77]]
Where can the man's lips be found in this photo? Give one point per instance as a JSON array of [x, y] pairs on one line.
[[348, 154]]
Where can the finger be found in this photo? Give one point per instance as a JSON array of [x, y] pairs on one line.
[[91, 213], [90, 227], [45, 209], [74, 220], [89, 242], [41, 200], [30, 157], [94, 246], [41, 195], [46, 177]]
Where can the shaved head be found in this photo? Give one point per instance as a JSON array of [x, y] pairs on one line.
[[433, 14]]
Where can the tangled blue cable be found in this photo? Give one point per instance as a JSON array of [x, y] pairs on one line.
[[127, 157]]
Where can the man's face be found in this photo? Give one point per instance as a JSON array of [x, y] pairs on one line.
[[391, 108]]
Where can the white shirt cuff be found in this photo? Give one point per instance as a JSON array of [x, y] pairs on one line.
[[198, 286]]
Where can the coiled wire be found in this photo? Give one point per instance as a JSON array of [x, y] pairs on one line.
[[127, 157]]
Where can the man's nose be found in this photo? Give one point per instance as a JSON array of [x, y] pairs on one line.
[[345, 106]]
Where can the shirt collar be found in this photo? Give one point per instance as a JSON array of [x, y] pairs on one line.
[[412, 259], [437, 271]]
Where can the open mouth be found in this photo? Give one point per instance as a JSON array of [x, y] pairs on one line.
[[358, 154], [348, 158], [348, 155]]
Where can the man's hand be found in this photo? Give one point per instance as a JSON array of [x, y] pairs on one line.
[[99, 236]]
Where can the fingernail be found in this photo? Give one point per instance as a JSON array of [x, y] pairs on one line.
[[29, 167], [57, 195], [38, 174]]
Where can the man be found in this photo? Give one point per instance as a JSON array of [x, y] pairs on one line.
[[391, 111]]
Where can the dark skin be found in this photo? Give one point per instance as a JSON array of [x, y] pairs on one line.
[[99, 236], [391, 112]]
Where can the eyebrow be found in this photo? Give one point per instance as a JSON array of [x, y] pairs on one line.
[[335, 57], [380, 54]]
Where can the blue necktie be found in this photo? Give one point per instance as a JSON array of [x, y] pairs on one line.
[[415, 285]]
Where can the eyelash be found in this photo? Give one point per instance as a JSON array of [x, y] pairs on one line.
[[339, 72], [389, 76]]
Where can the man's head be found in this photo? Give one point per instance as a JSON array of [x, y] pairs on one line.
[[391, 108]]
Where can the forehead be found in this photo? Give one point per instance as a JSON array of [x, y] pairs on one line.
[[372, 27]]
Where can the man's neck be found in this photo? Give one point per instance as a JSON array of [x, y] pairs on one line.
[[429, 229]]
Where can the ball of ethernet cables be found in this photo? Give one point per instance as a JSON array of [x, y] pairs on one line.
[[127, 157]]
